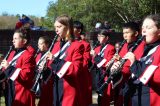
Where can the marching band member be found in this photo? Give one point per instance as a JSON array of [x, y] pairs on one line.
[[86, 76], [101, 55], [131, 32], [46, 82], [67, 64], [18, 71], [145, 71]]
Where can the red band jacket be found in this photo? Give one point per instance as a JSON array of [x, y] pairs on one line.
[[122, 95], [146, 72], [46, 85], [104, 55], [20, 77], [67, 67]]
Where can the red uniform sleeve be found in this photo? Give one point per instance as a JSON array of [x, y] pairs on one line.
[[108, 54], [27, 64], [86, 54], [73, 61]]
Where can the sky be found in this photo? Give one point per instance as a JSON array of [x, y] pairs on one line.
[[27, 7]]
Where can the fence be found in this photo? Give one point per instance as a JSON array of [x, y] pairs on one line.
[[6, 38]]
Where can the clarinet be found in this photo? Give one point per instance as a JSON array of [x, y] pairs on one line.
[[110, 63], [101, 89], [44, 60], [36, 53], [97, 43], [93, 65], [5, 58]]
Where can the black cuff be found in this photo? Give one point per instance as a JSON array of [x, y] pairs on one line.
[[116, 78], [9, 71], [136, 68], [98, 59], [2, 76], [57, 66], [54, 63], [46, 74], [60, 64]]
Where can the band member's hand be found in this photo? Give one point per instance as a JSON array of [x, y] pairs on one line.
[[92, 52], [117, 57], [115, 66], [41, 65], [131, 57], [50, 56], [4, 64]]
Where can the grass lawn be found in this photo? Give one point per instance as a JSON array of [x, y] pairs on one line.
[[2, 101]]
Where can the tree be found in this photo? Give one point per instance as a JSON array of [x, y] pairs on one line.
[[115, 12]]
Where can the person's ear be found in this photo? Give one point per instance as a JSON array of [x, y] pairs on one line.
[[79, 31], [24, 41], [159, 32], [107, 37], [136, 33]]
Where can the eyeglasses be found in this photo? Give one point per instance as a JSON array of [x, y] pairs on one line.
[[100, 36]]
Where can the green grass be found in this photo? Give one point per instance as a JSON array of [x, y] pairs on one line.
[[2, 101]]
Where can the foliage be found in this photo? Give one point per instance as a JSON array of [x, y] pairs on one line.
[[89, 12]]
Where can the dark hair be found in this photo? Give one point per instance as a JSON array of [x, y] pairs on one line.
[[24, 34], [66, 21], [132, 25], [46, 39], [78, 25], [155, 18], [104, 32]]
